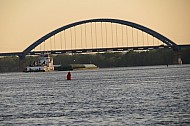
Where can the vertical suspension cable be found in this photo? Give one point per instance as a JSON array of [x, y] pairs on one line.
[[143, 37], [102, 35], [61, 40], [44, 45], [71, 38], [106, 35], [127, 36], [147, 40], [158, 41], [122, 34], [50, 44], [116, 35], [112, 33], [96, 36], [91, 35], [85, 36], [132, 37], [75, 37], [137, 37], [54, 42], [81, 36], [65, 40]]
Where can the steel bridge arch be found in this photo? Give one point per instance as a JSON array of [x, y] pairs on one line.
[[118, 21]]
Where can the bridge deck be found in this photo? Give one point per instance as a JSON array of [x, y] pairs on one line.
[[92, 50]]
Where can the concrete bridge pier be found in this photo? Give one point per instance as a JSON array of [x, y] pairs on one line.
[[177, 58], [22, 63]]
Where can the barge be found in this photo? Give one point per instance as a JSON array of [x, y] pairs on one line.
[[44, 63]]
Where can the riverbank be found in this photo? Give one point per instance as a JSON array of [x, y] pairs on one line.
[[106, 60]]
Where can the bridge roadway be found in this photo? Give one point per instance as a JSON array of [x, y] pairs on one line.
[[20, 54]]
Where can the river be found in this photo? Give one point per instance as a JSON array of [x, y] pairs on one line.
[[156, 95]]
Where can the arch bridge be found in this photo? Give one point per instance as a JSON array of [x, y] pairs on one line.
[[154, 34], [97, 35]]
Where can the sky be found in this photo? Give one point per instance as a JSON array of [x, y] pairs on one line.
[[22, 22]]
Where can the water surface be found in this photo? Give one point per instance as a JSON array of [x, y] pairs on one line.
[[117, 96]]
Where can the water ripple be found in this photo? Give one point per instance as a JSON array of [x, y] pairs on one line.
[[117, 96]]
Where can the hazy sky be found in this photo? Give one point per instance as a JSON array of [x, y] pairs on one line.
[[24, 21]]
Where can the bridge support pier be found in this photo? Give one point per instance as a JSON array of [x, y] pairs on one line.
[[177, 58], [22, 63]]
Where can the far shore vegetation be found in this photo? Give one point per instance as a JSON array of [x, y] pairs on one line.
[[105, 60]]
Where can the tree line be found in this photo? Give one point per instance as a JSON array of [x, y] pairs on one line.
[[105, 60]]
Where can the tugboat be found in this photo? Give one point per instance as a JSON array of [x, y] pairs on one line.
[[44, 63]]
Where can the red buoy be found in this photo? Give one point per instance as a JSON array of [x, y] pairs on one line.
[[69, 76]]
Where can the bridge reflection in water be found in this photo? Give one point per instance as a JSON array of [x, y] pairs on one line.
[[98, 35]]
